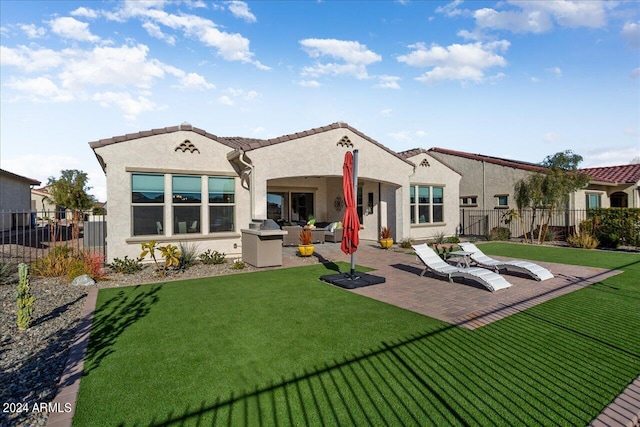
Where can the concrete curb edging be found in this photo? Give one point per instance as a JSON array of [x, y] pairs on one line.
[[624, 411], [69, 384]]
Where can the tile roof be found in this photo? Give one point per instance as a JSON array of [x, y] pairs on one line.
[[239, 142], [517, 164], [628, 174], [31, 181]]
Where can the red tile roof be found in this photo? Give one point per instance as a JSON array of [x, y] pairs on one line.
[[628, 174], [489, 159]]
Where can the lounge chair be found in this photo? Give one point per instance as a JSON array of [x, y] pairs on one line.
[[518, 266], [436, 265]]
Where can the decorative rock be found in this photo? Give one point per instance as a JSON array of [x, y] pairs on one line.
[[84, 280]]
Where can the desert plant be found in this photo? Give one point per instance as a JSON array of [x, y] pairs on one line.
[[499, 233], [238, 264], [439, 237], [406, 243], [584, 239], [126, 265], [453, 239], [6, 270], [212, 257], [24, 299], [385, 233], [305, 237], [57, 263], [188, 255], [170, 253]]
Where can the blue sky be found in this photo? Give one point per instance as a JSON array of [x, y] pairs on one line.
[[514, 79]]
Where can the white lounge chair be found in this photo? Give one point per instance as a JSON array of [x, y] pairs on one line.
[[436, 265], [519, 266]]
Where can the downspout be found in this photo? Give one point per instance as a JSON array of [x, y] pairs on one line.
[[484, 195]]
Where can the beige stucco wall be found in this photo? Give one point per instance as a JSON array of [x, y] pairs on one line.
[[158, 154], [440, 175], [605, 192], [15, 196]]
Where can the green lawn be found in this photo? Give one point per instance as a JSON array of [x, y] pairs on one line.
[[280, 347]]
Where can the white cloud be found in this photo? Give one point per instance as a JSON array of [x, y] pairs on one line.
[[40, 89], [240, 9], [354, 56], [539, 16], [126, 103], [225, 100], [154, 31], [308, 83], [610, 156], [451, 9], [556, 71], [41, 166], [631, 33], [466, 62], [258, 130], [70, 28], [388, 82], [194, 81], [535, 80], [84, 12], [30, 60], [32, 31], [421, 134], [402, 136], [386, 112]]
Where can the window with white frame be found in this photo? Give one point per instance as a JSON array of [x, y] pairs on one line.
[[187, 202], [593, 201], [147, 202], [221, 204], [426, 204]]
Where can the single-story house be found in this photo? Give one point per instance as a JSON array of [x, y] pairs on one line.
[[611, 186], [183, 184], [15, 199]]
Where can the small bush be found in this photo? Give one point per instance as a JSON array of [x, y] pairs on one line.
[[238, 264], [406, 243], [57, 263], [188, 255], [453, 239], [440, 237], [212, 257], [609, 240], [89, 263], [583, 240], [385, 233], [6, 271], [305, 237], [126, 265], [499, 233]]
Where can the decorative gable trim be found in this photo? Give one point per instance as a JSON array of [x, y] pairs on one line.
[[345, 142], [425, 163], [187, 145]]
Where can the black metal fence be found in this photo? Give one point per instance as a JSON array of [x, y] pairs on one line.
[[478, 222], [26, 236]]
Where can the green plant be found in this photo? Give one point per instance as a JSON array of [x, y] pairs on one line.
[[6, 270], [57, 263], [439, 237], [24, 299], [212, 257], [453, 239], [385, 233], [305, 237], [126, 265], [188, 255], [584, 239], [406, 243], [170, 253], [238, 264], [499, 233]]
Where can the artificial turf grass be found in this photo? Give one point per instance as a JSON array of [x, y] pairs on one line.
[[553, 364]]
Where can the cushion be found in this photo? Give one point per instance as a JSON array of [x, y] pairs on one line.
[[332, 226]]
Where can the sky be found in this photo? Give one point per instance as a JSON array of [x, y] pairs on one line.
[[515, 79]]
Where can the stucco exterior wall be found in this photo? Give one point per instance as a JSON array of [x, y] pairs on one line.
[[430, 171], [157, 154], [15, 196]]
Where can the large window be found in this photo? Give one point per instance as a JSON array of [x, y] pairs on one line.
[[147, 200], [187, 199], [426, 204], [593, 201], [301, 206], [221, 204]]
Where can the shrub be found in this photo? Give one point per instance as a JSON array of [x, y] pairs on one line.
[[170, 253], [440, 237], [57, 263], [214, 257], [6, 270], [24, 299], [584, 239], [238, 264], [499, 233], [453, 239], [406, 243], [89, 263], [126, 265], [616, 226], [188, 255]]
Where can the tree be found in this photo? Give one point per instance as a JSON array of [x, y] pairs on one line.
[[522, 196], [71, 192]]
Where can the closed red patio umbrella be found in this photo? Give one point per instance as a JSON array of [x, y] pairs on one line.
[[350, 221]]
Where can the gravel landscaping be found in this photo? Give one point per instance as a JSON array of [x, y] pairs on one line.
[[32, 361]]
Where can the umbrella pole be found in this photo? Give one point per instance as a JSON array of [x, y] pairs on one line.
[[355, 203]]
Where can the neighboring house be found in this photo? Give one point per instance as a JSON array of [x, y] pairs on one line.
[[183, 184], [611, 186], [15, 196], [487, 182]]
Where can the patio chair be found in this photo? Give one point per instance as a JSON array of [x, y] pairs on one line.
[[512, 266], [437, 266]]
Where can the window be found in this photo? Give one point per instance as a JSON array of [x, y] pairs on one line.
[[276, 206], [593, 201], [147, 200], [187, 199], [221, 204], [469, 201], [359, 207], [503, 200], [301, 206], [426, 204]]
